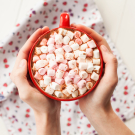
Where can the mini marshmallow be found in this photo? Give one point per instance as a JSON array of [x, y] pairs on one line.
[[50, 57], [96, 61], [37, 50], [49, 90], [83, 66], [83, 47], [88, 79], [70, 34], [47, 67], [89, 85], [59, 74], [55, 86], [76, 70], [65, 75], [91, 44], [53, 64], [59, 81], [41, 63], [35, 58], [50, 41], [64, 62], [42, 71], [80, 60], [96, 53], [94, 76], [66, 93], [62, 31], [51, 48], [83, 74], [37, 76], [75, 93], [75, 46], [69, 56], [58, 39], [71, 74], [43, 42], [44, 49], [89, 52], [58, 46], [97, 68], [67, 48], [84, 38], [77, 34], [47, 80], [68, 80], [70, 89], [76, 53], [59, 51], [90, 67], [82, 54], [88, 60], [72, 64], [77, 78], [78, 41], [58, 94], [71, 42], [41, 83], [81, 84], [66, 40], [51, 72], [59, 58], [82, 90], [63, 67], [43, 56]]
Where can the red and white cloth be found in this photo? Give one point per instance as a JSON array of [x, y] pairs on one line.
[[17, 115]]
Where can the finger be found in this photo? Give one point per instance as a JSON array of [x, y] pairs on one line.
[[45, 29]]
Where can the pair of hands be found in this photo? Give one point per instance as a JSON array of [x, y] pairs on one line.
[[95, 102]]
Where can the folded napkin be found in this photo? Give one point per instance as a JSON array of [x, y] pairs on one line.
[[17, 115]]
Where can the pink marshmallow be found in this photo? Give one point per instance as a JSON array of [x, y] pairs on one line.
[[43, 56], [51, 48], [50, 41], [53, 64], [65, 75], [59, 81], [53, 77], [43, 42], [37, 76], [53, 35], [56, 68], [63, 67], [35, 58], [68, 80], [51, 72], [77, 34], [67, 48], [42, 71], [78, 41], [81, 84], [77, 78], [71, 74], [89, 52], [88, 79], [91, 44], [65, 62], [58, 46]]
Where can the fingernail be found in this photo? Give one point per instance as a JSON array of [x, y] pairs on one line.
[[104, 48], [22, 63]]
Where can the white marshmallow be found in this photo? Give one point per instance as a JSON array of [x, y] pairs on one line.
[[97, 68], [50, 57], [44, 49], [58, 39], [41, 83], [49, 90], [55, 86], [59, 58], [66, 40], [75, 46], [41, 63], [69, 56], [83, 74], [64, 32], [70, 89], [96, 53], [88, 60], [80, 60], [47, 80], [82, 90], [82, 54], [59, 51], [58, 94], [71, 42], [83, 47], [89, 85], [59, 74], [66, 92], [94, 76], [96, 61], [72, 64], [83, 66], [37, 50], [84, 38], [60, 31], [76, 53], [90, 67], [75, 93], [70, 34]]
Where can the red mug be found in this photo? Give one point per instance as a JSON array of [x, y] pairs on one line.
[[64, 23]]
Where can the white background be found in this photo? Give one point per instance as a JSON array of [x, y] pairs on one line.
[[119, 19]]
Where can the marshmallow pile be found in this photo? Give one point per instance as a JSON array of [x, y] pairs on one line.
[[66, 64]]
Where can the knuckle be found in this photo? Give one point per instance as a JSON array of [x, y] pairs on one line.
[[114, 59]]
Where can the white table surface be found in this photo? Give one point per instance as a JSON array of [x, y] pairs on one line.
[[119, 19]]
